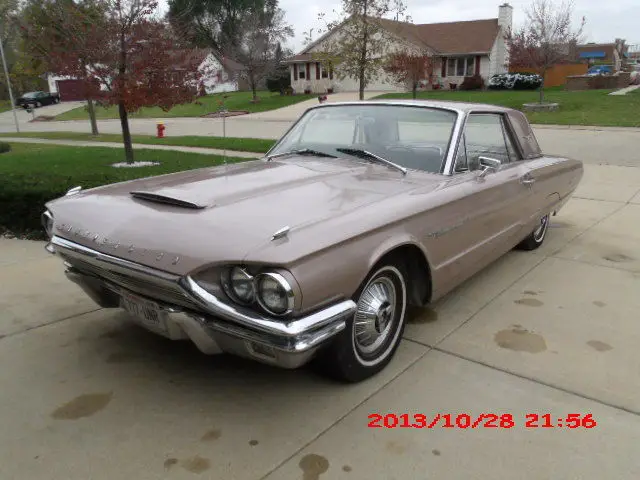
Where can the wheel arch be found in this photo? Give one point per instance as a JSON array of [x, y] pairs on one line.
[[415, 261]]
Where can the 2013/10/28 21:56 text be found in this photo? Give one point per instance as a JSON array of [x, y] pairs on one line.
[[483, 420]]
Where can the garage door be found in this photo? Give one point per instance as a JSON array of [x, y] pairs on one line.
[[70, 90]]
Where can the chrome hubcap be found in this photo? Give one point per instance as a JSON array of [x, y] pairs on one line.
[[538, 234], [374, 317]]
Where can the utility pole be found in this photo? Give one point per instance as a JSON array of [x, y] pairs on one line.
[[6, 74]]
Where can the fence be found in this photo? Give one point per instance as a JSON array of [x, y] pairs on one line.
[[557, 75]]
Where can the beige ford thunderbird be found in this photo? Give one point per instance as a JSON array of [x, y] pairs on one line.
[[314, 252]]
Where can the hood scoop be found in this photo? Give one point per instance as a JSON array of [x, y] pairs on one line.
[[167, 199]]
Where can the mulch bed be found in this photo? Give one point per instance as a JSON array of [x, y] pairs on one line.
[[43, 118], [233, 113]]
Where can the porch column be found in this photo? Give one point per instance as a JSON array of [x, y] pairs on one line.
[[295, 71], [477, 64], [443, 67]]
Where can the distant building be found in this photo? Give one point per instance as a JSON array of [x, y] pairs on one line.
[[458, 49]]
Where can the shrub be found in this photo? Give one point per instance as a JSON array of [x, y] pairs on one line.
[[279, 81], [472, 83], [515, 81], [4, 147]]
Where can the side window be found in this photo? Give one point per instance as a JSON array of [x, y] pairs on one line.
[[484, 136], [461, 164], [511, 148]]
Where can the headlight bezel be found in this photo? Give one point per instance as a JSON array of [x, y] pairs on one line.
[[46, 219], [226, 280], [282, 282], [257, 274]]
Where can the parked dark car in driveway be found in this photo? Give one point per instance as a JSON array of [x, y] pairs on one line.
[[37, 99]]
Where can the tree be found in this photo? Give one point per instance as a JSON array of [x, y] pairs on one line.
[[359, 46], [127, 58], [410, 69], [62, 25], [546, 39], [215, 24], [258, 48]]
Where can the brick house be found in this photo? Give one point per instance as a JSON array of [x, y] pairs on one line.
[[458, 49]]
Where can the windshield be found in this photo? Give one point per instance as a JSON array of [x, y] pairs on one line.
[[30, 95], [412, 137]]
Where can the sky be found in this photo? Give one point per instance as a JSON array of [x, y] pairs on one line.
[[605, 20]]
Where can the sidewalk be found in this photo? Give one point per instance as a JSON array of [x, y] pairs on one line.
[[139, 146]]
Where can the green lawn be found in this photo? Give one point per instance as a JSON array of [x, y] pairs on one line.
[[204, 105], [587, 107], [5, 105], [31, 175], [256, 145]]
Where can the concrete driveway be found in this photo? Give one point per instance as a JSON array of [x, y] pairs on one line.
[[7, 123], [84, 393]]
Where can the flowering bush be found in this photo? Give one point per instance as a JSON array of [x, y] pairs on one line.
[[515, 81]]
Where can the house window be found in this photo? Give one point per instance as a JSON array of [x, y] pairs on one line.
[[461, 66], [302, 74], [451, 67], [471, 65], [325, 73]]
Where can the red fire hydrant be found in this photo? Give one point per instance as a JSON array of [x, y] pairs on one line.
[[160, 128]]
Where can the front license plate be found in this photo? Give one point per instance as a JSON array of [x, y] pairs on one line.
[[149, 314]]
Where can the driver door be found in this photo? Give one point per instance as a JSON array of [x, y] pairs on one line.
[[496, 198]]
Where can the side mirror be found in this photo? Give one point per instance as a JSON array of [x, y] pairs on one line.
[[489, 164]]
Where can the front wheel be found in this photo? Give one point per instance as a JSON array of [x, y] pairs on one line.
[[38, 104], [535, 239], [373, 335]]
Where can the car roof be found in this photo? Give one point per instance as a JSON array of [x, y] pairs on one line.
[[444, 104]]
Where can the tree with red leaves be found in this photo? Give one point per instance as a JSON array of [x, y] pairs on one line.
[[547, 38], [410, 69], [126, 57]]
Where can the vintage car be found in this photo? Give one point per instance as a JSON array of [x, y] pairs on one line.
[[315, 252]]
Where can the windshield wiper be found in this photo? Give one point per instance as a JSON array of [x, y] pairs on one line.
[[365, 154], [301, 151]]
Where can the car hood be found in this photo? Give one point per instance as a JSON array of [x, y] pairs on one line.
[[180, 221]]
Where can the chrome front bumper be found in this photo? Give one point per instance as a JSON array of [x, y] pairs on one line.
[[191, 313]]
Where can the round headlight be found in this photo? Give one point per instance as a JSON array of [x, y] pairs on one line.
[[274, 293], [241, 284]]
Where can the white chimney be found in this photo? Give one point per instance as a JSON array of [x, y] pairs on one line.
[[505, 14]]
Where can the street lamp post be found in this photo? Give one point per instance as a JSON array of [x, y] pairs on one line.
[[6, 74]]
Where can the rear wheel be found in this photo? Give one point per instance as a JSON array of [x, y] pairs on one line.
[[56, 100], [535, 239], [373, 335], [38, 104]]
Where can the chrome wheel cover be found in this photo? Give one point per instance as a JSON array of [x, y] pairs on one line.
[[539, 233], [375, 316]]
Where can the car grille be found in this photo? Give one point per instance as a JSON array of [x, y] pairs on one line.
[[161, 287]]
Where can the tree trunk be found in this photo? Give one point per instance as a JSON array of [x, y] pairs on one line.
[[542, 88], [126, 134], [254, 90], [414, 90], [92, 117], [363, 52]]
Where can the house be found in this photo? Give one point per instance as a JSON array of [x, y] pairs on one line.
[[458, 49], [602, 53], [220, 74]]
